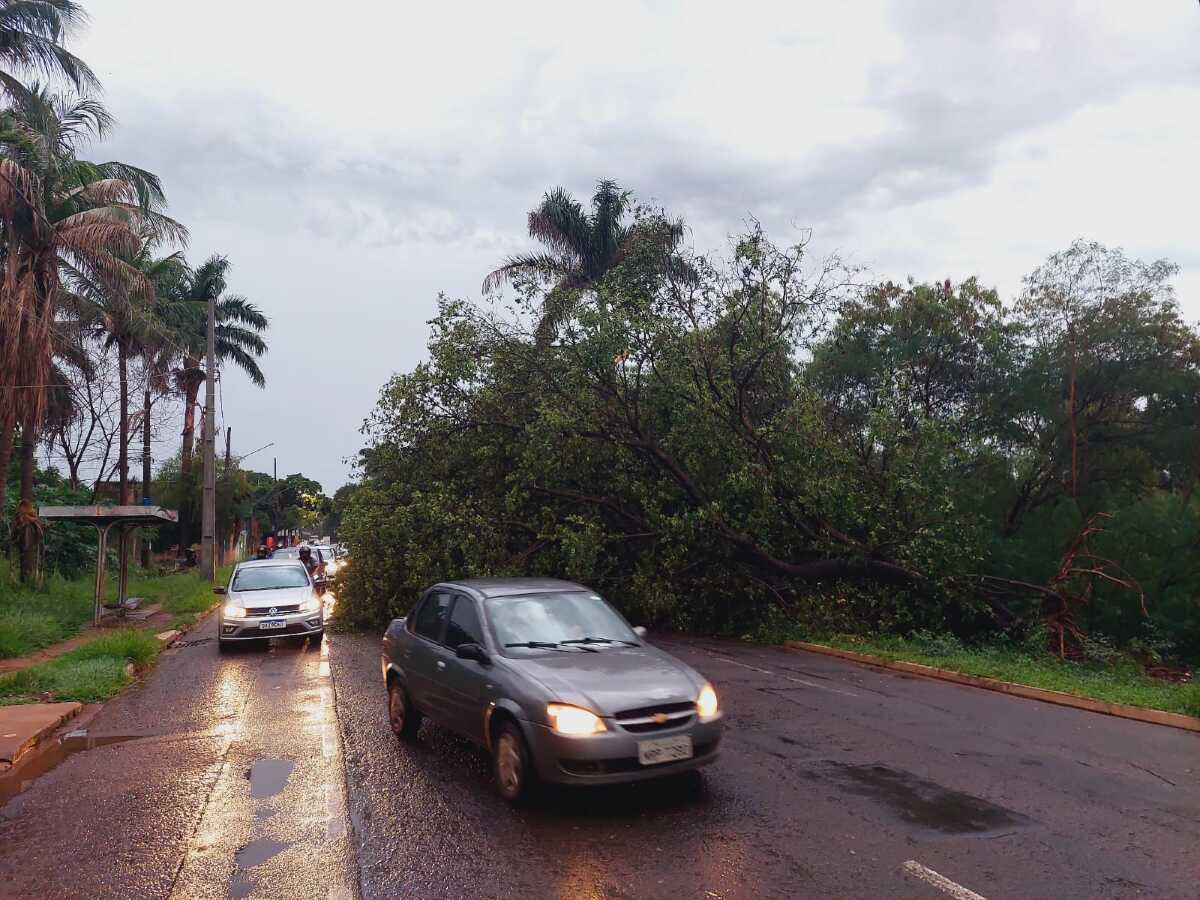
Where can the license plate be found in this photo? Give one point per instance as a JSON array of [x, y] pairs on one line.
[[663, 750], [272, 623]]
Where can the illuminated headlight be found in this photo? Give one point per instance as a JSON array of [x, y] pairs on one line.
[[233, 611], [706, 703], [331, 566], [573, 721], [312, 604]]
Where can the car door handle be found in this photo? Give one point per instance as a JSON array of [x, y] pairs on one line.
[[441, 664]]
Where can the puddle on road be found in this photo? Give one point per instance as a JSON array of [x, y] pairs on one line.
[[926, 803], [269, 776], [45, 758], [258, 852]]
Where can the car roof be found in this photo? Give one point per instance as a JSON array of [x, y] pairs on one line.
[[259, 563], [509, 587]]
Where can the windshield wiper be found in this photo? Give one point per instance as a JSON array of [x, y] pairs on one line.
[[601, 640], [551, 645], [538, 645]]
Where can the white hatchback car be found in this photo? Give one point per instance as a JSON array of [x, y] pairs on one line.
[[270, 598]]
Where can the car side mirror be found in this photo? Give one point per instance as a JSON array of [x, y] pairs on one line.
[[639, 630], [218, 590], [471, 651]]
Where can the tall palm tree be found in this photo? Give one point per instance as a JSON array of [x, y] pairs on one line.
[[59, 215], [238, 338], [136, 323], [581, 249], [31, 36]]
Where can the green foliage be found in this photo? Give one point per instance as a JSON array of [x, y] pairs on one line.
[[33, 618], [90, 674], [759, 445]]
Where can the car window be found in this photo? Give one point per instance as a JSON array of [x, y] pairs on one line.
[[432, 616], [265, 578], [464, 624]]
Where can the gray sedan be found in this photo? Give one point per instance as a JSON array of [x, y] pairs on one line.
[[551, 680]]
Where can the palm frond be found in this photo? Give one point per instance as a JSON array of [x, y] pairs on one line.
[[236, 308], [540, 265], [244, 361], [558, 306]]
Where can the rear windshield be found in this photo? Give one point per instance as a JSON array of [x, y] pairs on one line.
[[265, 578]]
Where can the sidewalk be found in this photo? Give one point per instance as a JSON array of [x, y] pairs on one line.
[[23, 726]]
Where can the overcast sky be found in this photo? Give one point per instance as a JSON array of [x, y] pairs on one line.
[[355, 163]]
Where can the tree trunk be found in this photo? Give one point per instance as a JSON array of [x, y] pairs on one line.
[[26, 528], [123, 436], [192, 381], [146, 498], [7, 431]]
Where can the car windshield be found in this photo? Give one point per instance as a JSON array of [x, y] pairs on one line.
[[265, 578], [554, 619]]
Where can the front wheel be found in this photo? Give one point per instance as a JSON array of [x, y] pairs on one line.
[[512, 765], [316, 639], [405, 720]]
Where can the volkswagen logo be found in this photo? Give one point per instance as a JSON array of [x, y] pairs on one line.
[[272, 610]]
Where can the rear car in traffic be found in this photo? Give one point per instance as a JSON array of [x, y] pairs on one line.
[[551, 680]]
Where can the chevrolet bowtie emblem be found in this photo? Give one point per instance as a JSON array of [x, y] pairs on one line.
[[659, 718]]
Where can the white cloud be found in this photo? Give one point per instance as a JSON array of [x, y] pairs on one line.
[[352, 166]]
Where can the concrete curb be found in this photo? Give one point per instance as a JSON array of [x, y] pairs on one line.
[[1122, 710], [26, 725]]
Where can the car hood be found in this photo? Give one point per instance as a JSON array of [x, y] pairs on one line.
[[272, 597], [613, 679]]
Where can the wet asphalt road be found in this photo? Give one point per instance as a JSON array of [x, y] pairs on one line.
[[832, 777], [226, 782], [239, 779]]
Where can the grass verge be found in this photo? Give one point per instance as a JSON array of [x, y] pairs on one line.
[[1121, 682], [90, 674], [31, 619]]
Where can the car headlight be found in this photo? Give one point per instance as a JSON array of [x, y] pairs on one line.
[[331, 567], [233, 611], [706, 703], [573, 720], [312, 604]]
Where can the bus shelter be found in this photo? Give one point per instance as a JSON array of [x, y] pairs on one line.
[[125, 520]]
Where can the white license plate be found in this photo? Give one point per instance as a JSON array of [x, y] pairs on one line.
[[272, 623], [663, 750]]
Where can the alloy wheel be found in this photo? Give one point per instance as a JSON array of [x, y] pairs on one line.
[[509, 765]]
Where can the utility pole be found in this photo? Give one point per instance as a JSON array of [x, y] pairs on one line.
[[225, 538], [146, 500], [208, 512]]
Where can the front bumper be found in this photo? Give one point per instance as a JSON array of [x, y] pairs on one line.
[[295, 625], [612, 757]]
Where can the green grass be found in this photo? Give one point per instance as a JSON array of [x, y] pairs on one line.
[[90, 674], [1121, 682], [32, 619]]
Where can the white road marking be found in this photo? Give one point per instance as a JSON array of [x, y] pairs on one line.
[[823, 687], [941, 882]]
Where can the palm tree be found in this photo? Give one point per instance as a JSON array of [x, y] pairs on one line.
[[582, 248], [31, 35], [61, 216], [137, 325], [238, 339]]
